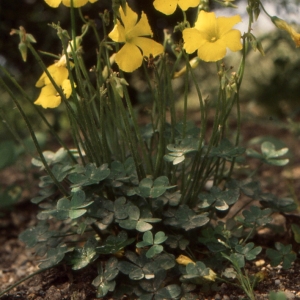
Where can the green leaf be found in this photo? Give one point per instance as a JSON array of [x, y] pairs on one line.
[[257, 216], [54, 256], [248, 250], [154, 250], [160, 237], [177, 241], [185, 218], [277, 296], [89, 175], [34, 235], [114, 244], [220, 199], [83, 256], [296, 232], [178, 151], [171, 291], [282, 254], [248, 187], [277, 204], [226, 150], [269, 154]]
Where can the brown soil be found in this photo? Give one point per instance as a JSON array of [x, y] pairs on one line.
[[17, 262]]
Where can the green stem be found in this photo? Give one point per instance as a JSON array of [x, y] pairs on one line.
[[35, 141], [22, 280]]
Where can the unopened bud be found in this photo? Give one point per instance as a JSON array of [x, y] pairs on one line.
[[23, 50]]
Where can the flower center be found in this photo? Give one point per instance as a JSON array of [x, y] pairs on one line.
[[213, 39]]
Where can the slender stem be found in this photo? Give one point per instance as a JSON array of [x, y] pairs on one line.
[[36, 143], [24, 279]]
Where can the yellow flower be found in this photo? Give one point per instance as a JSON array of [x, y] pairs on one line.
[[76, 3], [211, 36], [132, 32], [281, 24], [168, 7], [49, 97], [184, 260]]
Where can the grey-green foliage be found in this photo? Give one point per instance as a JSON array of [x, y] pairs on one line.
[[283, 254], [108, 213], [154, 243], [107, 272], [270, 155]]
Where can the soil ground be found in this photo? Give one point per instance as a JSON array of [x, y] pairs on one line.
[[60, 283]]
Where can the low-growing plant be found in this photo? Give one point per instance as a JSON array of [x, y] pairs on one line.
[[147, 204]]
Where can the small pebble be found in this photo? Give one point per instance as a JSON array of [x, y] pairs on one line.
[[218, 297], [225, 297], [260, 263], [277, 281]]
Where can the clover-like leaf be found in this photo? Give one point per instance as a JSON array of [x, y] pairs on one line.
[[296, 231], [226, 150], [177, 241], [153, 189], [269, 154], [283, 254], [197, 272], [249, 251], [88, 175], [185, 218], [248, 187], [82, 256], [54, 256], [277, 204], [221, 200], [177, 152], [51, 158], [35, 235], [114, 244], [104, 281], [138, 268], [155, 242], [257, 216]]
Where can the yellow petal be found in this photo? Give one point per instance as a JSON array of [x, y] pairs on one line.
[[185, 4], [206, 22], [142, 28], [211, 275], [76, 3], [232, 40], [296, 37], [193, 39], [58, 73], [212, 51], [129, 58], [118, 33], [167, 7], [129, 19], [184, 260], [226, 23], [53, 3], [93, 1], [148, 46], [67, 88], [48, 98]]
